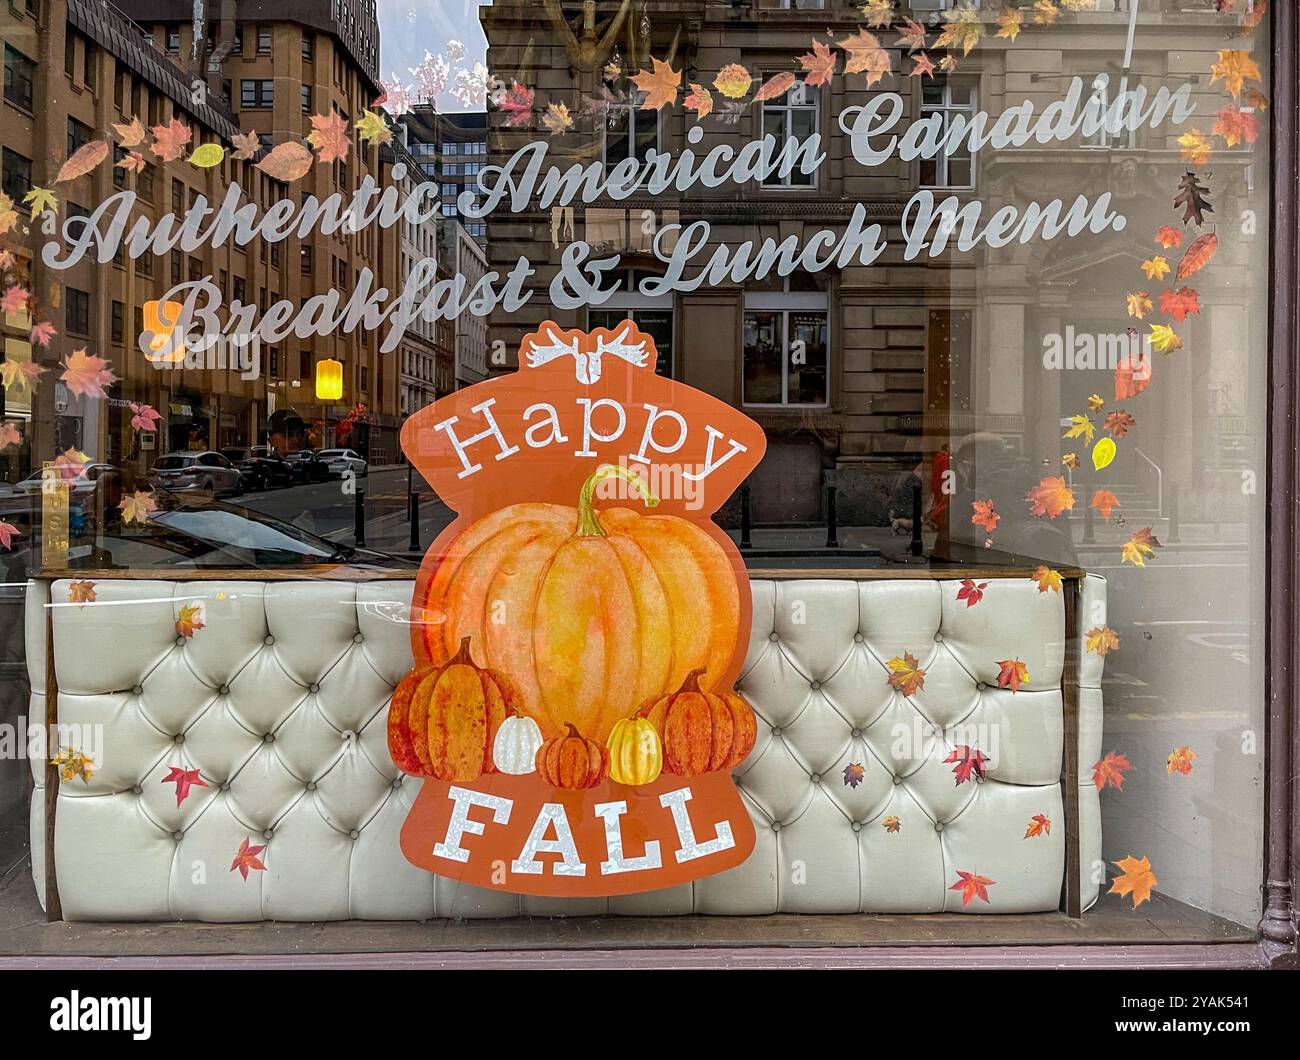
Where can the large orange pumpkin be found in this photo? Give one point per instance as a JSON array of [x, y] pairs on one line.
[[703, 731], [451, 719], [588, 613], [572, 761]]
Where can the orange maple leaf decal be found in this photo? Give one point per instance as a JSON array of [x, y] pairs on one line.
[[81, 592], [1047, 579], [70, 463], [1012, 673], [1101, 640], [1234, 69], [968, 760], [1105, 502], [660, 85], [170, 140], [972, 886], [912, 34], [892, 823], [1236, 125], [854, 774], [905, 675], [1051, 497], [247, 859], [1039, 824], [985, 516], [190, 620], [1179, 303], [246, 146], [1169, 236], [865, 56], [1138, 879], [329, 136], [1109, 772], [1180, 761], [819, 63]]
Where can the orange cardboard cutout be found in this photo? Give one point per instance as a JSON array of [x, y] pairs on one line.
[[579, 628]]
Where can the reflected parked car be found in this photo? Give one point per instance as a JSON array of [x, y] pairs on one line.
[[83, 483], [340, 461], [206, 472], [260, 467], [308, 466]]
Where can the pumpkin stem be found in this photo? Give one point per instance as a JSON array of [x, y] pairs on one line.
[[692, 682], [588, 524], [573, 730], [463, 655]]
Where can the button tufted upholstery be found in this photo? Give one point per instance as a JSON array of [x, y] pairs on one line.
[[280, 701]]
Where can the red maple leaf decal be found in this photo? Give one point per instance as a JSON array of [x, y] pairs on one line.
[[184, 779], [970, 592], [1039, 824], [247, 859], [972, 886], [1012, 673], [969, 760]]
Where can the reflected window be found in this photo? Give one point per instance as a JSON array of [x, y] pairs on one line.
[[953, 101]]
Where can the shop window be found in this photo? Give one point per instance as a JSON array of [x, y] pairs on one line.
[[792, 115], [117, 323], [19, 72], [263, 42], [77, 313], [954, 167]]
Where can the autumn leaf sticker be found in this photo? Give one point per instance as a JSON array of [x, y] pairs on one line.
[[1138, 547], [733, 81], [984, 516], [660, 85], [1180, 761], [700, 100], [287, 162], [892, 824], [1109, 772], [962, 29], [184, 779], [329, 136], [1137, 879], [81, 592], [1101, 640], [971, 592], [1012, 673], [819, 65], [1039, 824], [866, 56], [905, 675], [1047, 579], [966, 761], [87, 375], [72, 763], [247, 859], [1051, 497], [7, 534], [170, 140], [1234, 69], [190, 619], [972, 886], [137, 507], [854, 774]]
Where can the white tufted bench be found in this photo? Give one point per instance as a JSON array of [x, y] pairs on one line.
[[280, 701]]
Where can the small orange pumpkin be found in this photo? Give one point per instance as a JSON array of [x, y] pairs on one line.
[[454, 716], [399, 728], [703, 731], [572, 761]]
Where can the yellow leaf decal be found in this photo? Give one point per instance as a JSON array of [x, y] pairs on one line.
[[40, 200], [207, 155], [1103, 453], [1165, 339], [1081, 427]]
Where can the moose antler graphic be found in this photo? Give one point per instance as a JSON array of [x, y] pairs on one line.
[[587, 364]]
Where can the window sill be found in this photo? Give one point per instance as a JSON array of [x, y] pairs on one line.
[[20, 108]]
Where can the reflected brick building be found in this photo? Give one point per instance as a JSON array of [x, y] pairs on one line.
[[860, 374]]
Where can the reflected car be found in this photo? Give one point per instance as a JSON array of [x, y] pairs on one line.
[[341, 461], [84, 483], [260, 467], [206, 472], [308, 466]]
